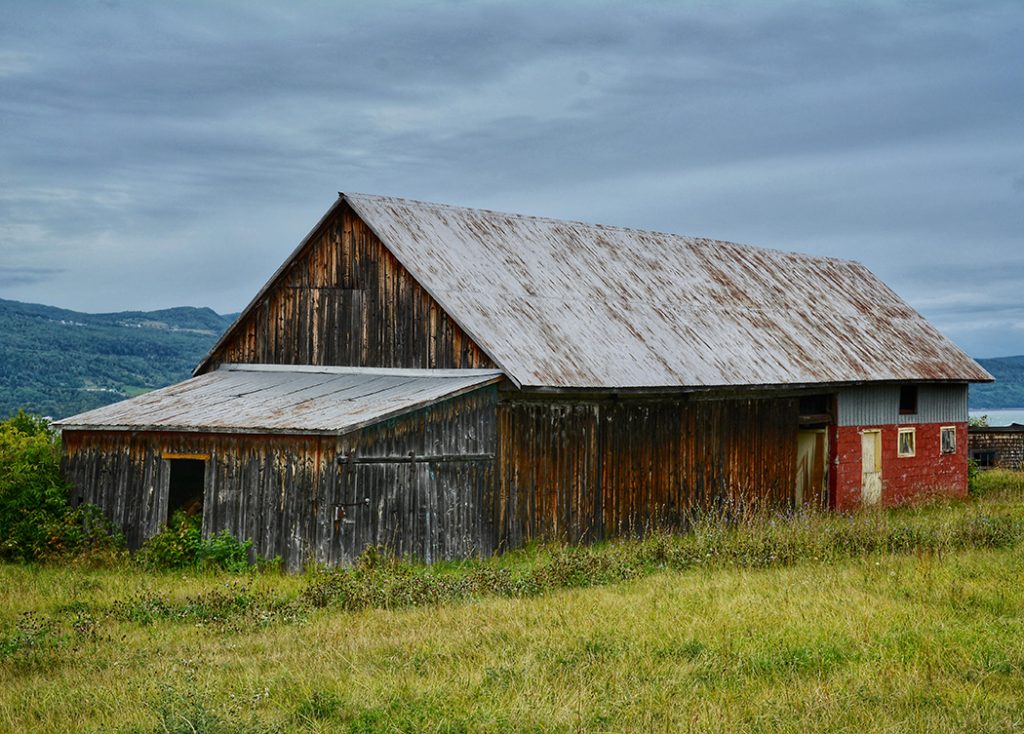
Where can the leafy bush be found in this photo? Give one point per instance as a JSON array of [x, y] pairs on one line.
[[36, 520], [181, 545]]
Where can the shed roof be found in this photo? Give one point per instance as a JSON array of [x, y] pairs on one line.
[[283, 399]]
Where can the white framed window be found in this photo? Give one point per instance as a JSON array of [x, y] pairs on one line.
[[947, 439], [907, 445]]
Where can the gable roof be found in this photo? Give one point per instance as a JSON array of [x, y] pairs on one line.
[[283, 399], [560, 304]]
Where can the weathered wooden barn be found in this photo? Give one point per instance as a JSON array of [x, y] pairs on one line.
[[451, 381], [997, 447]]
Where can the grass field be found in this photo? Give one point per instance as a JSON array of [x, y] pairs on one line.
[[923, 634]]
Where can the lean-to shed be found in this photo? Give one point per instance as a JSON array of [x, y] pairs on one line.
[[584, 381]]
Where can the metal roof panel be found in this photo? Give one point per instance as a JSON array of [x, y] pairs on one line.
[[561, 304], [282, 399]]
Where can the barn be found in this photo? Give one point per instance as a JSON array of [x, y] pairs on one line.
[[997, 447], [451, 382]]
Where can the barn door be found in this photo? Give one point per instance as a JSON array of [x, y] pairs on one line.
[[871, 467], [373, 502]]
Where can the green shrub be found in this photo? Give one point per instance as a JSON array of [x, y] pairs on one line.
[[181, 545], [36, 520], [176, 546], [225, 551]]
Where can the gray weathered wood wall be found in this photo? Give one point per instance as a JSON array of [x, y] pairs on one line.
[[428, 476]]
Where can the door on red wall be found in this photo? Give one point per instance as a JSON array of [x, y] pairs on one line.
[[871, 467]]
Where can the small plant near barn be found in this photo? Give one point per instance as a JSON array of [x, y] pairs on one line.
[[181, 545]]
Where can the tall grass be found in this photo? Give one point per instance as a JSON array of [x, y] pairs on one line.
[[756, 540], [906, 620]]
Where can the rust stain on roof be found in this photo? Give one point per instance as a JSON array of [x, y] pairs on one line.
[[572, 305]]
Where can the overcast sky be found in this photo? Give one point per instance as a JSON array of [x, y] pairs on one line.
[[163, 154]]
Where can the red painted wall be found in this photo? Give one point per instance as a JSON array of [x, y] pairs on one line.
[[904, 479]]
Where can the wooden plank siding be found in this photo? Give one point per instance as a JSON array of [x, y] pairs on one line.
[[586, 469], [347, 301], [428, 476], [485, 475]]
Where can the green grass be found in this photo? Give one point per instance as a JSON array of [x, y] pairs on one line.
[[911, 620]]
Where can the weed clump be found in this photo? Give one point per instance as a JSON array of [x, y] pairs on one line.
[[181, 545], [233, 607]]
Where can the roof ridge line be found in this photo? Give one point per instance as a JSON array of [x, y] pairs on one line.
[[693, 239]]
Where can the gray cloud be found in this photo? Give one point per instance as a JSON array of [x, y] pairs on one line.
[[168, 154], [23, 276]]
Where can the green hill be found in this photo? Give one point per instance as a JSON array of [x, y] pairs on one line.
[[1008, 389], [57, 362]]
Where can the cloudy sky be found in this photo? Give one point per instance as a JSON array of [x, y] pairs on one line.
[[162, 154]]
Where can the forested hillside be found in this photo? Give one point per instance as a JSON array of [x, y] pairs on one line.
[[1008, 389], [57, 362]]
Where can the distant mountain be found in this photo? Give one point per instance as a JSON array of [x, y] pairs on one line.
[[57, 362], [1008, 389]]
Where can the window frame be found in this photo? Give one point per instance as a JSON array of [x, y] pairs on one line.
[[912, 432], [942, 442]]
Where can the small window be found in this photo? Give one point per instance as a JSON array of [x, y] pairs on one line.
[[985, 459], [907, 442], [948, 436], [908, 400]]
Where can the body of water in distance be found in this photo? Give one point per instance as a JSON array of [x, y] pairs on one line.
[[999, 416]]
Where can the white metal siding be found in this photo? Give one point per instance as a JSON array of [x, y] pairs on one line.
[[876, 405]]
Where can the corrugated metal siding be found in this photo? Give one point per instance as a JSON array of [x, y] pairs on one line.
[[282, 399], [939, 404], [567, 304], [875, 405], [284, 492]]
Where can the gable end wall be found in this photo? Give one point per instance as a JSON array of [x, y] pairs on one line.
[[347, 301]]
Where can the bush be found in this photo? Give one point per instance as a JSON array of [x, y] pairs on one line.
[[36, 520], [181, 545], [973, 475]]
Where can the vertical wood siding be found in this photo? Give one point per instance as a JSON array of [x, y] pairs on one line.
[[585, 470], [288, 493], [503, 474], [346, 301]]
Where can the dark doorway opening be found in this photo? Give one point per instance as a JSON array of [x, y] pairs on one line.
[[187, 486]]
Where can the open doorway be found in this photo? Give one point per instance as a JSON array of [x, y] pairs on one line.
[[812, 468], [186, 487], [817, 416]]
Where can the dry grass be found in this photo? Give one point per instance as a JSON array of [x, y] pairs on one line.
[[924, 639]]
